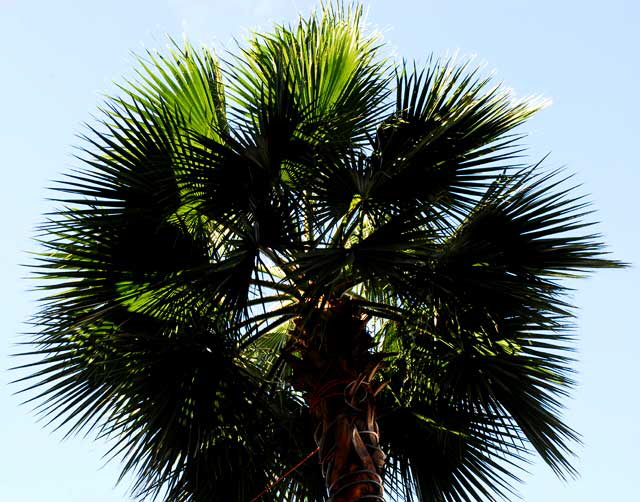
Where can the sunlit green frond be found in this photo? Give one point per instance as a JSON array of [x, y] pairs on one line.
[[186, 82], [328, 66]]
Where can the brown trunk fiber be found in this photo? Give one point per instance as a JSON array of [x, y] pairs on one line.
[[335, 369]]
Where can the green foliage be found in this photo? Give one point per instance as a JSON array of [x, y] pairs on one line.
[[218, 203]]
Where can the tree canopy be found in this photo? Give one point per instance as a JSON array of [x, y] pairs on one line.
[[224, 204]]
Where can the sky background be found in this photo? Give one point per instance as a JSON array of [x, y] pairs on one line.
[[58, 58]]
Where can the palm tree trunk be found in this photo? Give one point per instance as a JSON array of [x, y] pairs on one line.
[[335, 369]]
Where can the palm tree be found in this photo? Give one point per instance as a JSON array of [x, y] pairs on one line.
[[311, 266]]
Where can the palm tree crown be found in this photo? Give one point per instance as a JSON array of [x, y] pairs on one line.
[[247, 237]]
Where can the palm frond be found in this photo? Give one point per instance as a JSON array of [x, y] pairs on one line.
[[486, 338], [180, 409], [327, 63], [449, 137], [185, 82]]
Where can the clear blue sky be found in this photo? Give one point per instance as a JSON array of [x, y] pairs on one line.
[[58, 57]]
